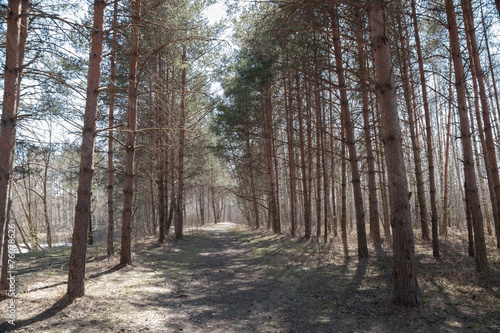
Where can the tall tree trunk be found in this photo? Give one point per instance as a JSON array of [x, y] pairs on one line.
[[252, 184], [428, 131], [12, 78], [405, 288], [291, 155], [343, 204], [444, 224], [128, 186], [47, 154], [160, 163], [76, 277], [269, 152], [470, 175], [305, 188], [372, 183], [486, 157], [490, 143], [350, 139], [179, 208], [422, 205], [111, 168]]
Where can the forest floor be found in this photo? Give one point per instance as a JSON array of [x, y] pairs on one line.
[[224, 278]]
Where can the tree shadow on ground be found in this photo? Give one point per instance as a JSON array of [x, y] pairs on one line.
[[57, 307]]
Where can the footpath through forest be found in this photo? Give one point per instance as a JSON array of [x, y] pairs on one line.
[[224, 278]]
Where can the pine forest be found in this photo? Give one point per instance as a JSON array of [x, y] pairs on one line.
[[250, 166]]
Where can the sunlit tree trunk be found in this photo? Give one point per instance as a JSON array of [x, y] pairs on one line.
[[76, 278], [405, 280], [12, 78], [128, 187]]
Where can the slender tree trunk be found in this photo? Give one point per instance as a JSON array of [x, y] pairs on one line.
[[252, 184], [153, 225], [351, 140], [490, 143], [268, 137], [405, 288], [470, 176], [343, 204], [5, 270], [444, 224], [291, 157], [422, 205], [305, 188], [111, 168], [76, 277], [372, 184], [179, 211], [428, 131], [128, 187]]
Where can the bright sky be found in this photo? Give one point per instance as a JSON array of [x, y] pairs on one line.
[[215, 12]]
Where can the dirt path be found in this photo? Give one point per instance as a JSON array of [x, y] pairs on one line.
[[223, 290], [223, 279], [209, 282]]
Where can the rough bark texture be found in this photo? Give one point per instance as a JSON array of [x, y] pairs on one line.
[[76, 278], [405, 280], [128, 187], [9, 110], [471, 190]]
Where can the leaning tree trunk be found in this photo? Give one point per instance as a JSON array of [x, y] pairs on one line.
[[405, 279], [470, 175], [76, 277], [128, 187]]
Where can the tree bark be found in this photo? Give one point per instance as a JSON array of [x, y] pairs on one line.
[[470, 176], [490, 142], [128, 186], [111, 168], [372, 184], [350, 139], [10, 108], [179, 208], [405, 287], [76, 277], [305, 188]]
